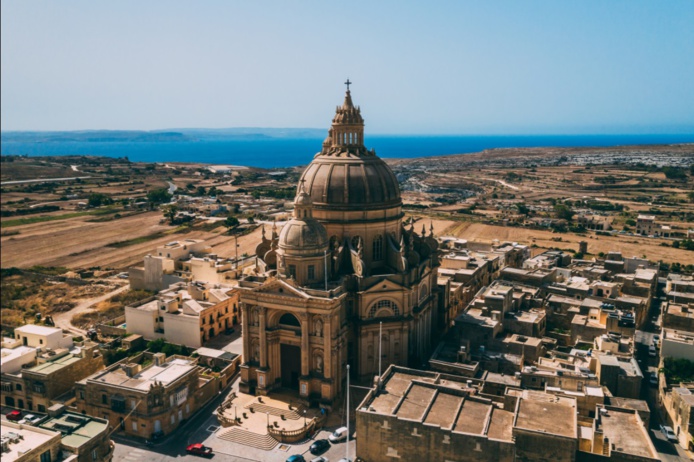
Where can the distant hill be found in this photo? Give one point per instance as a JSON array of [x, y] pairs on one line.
[[168, 135]]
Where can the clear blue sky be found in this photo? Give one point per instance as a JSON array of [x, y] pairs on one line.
[[458, 67]]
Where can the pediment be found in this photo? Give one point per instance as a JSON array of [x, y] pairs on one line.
[[281, 288], [384, 285]]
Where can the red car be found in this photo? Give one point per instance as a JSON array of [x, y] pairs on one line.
[[199, 449], [14, 415]]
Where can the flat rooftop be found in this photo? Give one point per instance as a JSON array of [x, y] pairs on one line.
[[23, 438], [473, 416], [627, 433], [54, 366], [541, 412], [38, 330], [168, 373], [76, 429]]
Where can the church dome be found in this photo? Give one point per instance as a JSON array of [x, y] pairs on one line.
[[303, 235], [351, 180], [347, 175]]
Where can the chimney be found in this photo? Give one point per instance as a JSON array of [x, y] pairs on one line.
[[159, 359], [131, 369]]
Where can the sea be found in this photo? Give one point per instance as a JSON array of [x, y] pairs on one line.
[[288, 152]]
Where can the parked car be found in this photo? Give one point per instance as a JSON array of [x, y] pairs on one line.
[[338, 435], [199, 449], [656, 341], [31, 419], [15, 416], [229, 331], [669, 433], [320, 459], [653, 380], [652, 351], [296, 458], [319, 447]]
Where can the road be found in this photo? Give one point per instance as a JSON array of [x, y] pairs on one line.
[[44, 180], [63, 320], [642, 340], [503, 183]]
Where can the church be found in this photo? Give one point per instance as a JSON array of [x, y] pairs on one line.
[[344, 267]]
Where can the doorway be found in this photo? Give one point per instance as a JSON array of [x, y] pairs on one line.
[[290, 360]]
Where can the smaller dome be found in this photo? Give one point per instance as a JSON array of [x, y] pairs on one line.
[[303, 237]]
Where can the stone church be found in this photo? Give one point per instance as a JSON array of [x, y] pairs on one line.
[[344, 264]]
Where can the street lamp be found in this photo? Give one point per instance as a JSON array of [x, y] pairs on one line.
[[236, 418], [268, 419], [304, 417]]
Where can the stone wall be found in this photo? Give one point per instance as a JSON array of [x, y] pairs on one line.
[[390, 438]]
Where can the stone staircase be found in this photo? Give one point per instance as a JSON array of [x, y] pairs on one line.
[[294, 414], [255, 440]]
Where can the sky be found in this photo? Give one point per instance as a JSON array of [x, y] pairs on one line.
[[437, 67]]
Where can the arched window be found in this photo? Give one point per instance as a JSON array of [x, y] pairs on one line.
[[384, 308], [378, 248], [289, 319]]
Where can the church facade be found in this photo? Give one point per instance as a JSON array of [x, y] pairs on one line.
[[340, 270]]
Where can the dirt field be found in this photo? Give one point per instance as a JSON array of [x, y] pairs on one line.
[[629, 245], [77, 243]]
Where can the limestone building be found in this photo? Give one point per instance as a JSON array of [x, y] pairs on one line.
[[186, 313], [146, 400], [342, 265], [40, 364]]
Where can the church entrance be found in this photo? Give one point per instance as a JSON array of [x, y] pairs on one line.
[[290, 358]]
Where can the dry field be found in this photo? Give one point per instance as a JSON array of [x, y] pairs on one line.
[[629, 245], [78, 243]]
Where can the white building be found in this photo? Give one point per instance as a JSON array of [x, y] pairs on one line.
[[186, 313]]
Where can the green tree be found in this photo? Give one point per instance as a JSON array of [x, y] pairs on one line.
[[563, 212], [674, 173], [523, 209], [158, 196], [170, 212], [155, 346], [99, 199], [231, 222]]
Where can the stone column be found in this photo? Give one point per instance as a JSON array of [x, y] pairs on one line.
[[263, 338], [246, 334], [327, 347], [305, 355]]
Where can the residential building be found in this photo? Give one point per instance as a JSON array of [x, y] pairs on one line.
[[24, 443], [186, 313], [83, 438], [146, 398], [33, 377]]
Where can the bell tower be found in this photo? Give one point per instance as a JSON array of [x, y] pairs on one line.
[[347, 131]]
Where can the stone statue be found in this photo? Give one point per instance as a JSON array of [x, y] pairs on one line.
[[319, 327], [319, 363]]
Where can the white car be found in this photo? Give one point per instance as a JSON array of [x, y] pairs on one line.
[[338, 435], [30, 419], [320, 459], [669, 434], [652, 351]]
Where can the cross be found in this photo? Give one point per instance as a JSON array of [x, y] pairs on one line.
[[348, 83]]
